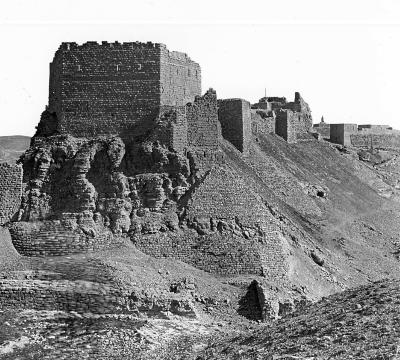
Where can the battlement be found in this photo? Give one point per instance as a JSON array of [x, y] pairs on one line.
[[105, 45]]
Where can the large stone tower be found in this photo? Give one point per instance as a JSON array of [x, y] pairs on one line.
[[114, 88]]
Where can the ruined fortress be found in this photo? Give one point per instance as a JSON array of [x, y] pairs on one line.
[[128, 147]]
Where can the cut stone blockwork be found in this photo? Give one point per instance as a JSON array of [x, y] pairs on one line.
[[235, 118], [285, 128], [114, 88], [10, 191], [323, 129], [340, 133], [365, 136], [293, 120], [202, 122]]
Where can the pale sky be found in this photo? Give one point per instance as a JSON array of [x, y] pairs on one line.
[[343, 55]]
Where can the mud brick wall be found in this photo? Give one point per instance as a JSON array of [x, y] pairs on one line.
[[50, 238], [261, 123], [235, 118], [10, 191], [286, 125], [114, 88], [383, 141], [202, 118]]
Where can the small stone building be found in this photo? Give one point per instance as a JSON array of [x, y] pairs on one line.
[[340, 133]]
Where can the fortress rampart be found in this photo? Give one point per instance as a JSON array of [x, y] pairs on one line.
[[365, 136], [113, 88]]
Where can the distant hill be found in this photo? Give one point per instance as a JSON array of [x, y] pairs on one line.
[[11, 147]]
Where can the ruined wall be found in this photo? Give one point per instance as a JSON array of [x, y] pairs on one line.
[[382, 141], [86, 297], [229, 231], [180, 78], [323, 129], [202, 119], [375, 128], [171, 129], [235, 118], [10, 191], [285, 125], [262, 122], [302, 119], [51, 238], [116, 88]]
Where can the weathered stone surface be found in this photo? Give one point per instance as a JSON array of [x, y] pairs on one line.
[[235, 118], [293, 120], [10, 191], [115, 89]]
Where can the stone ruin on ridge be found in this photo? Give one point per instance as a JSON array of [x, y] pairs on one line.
[[128, 147]]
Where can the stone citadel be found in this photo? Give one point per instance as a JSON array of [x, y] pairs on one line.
[[142, 197], [129, 146]]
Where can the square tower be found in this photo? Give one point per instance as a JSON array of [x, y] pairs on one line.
[[113, 88], [340, 133], [235, 118]]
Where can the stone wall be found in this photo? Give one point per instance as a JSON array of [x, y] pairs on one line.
[[51, 238], [202, 118], [180, 78], [235, 118], [285, 125], [85, 297], [323, 129], [227, 230], [301, 119], [262, 122], [10, 191], [116, 88], [293, 119], [382, 141], [340, 133]]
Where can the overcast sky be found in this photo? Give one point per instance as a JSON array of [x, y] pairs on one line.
[[343, 55]]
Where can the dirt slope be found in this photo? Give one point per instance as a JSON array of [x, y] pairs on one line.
[[12, 147], [363, 323]]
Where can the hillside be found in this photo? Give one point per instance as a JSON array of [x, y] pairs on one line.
[[336, 218], [12, 147], [361, 323]]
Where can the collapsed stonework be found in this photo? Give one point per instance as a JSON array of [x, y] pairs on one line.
[[290, 120]]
